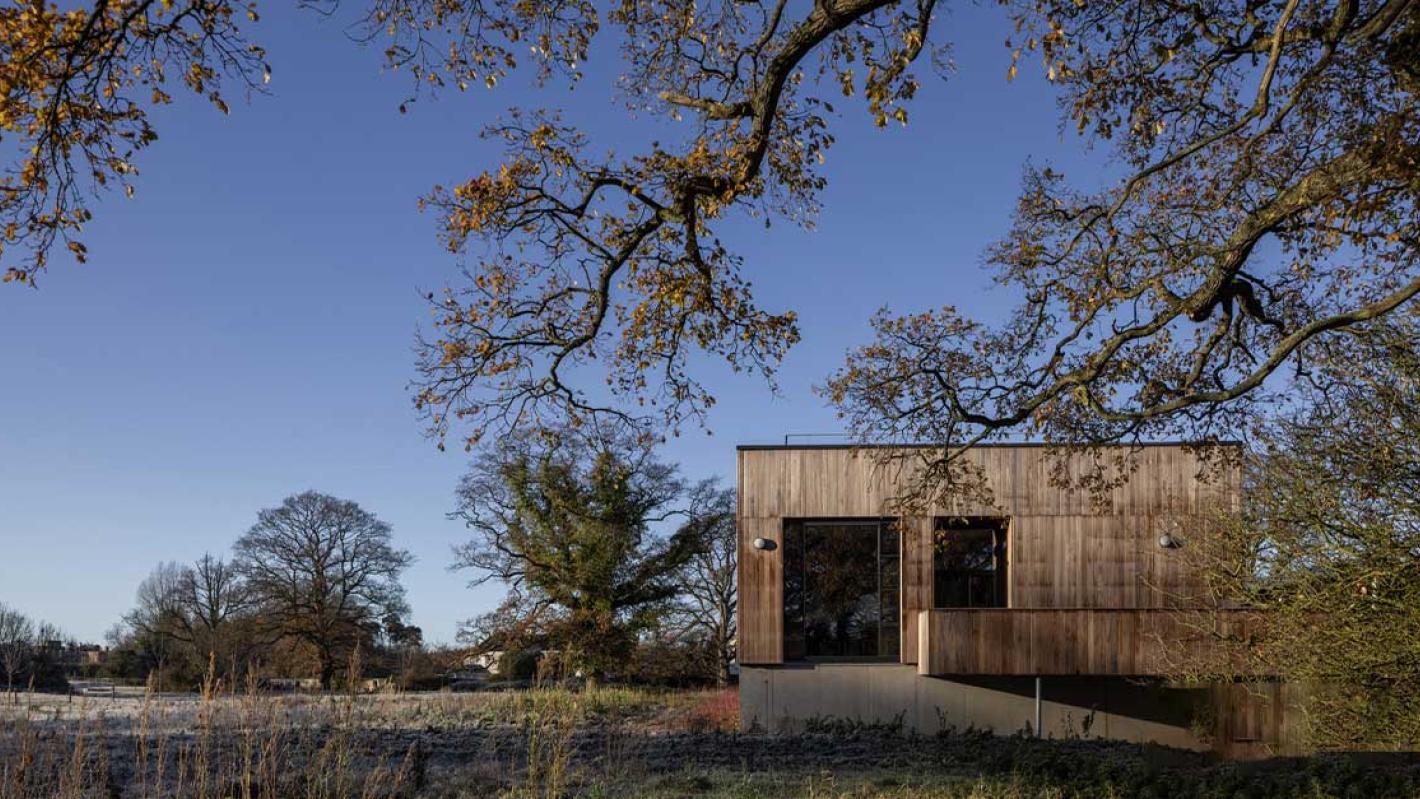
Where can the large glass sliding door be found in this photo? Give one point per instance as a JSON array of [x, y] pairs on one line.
[[841, 589]]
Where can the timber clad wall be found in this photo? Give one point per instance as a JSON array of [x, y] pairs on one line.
[[1086, 641], [1062, 552], [761, 622]]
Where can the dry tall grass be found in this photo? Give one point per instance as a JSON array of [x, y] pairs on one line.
[[223, 743], [551, 743], [236, 741]]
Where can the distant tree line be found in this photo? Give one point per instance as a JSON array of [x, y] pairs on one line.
[[312, 583], [617, 569], [29, 652]]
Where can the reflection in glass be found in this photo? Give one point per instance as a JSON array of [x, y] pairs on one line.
[[968, 565], [841, 590]]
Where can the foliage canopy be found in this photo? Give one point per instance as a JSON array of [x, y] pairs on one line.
[[1270, 201], [567, 523], [1328, 545]]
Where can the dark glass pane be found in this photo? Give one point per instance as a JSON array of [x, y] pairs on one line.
[[841, 590], [891, 643], [888, 572], [968, 566], [889, 583], [793, 591], [890, 608], [840, 596], [981, 589], [948, 591], [888, 540]]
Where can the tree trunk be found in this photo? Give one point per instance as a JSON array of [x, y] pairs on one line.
[[327, 671]]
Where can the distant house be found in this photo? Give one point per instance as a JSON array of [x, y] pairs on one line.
[[521, 662], [1037, 612], [488, 661], [74, 659], [91, 654]]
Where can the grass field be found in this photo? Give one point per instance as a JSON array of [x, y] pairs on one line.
[[607, 742]]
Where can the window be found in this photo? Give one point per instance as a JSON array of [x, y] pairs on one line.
[[841, 584], [969, 564]]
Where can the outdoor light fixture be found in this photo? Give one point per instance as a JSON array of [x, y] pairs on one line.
[[1168, 540], [764, 543]]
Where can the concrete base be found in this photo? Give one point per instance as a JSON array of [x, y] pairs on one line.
[[783, 699]]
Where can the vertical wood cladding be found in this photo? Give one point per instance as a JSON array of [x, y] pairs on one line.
[[1064, 551], [1077, 641], [761, 580]]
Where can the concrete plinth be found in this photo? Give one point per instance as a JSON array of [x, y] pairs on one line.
[[785, 699]]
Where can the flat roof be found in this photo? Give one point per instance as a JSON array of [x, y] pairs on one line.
[[994, 445]]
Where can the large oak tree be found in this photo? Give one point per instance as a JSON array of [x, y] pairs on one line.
[[1270, 197], [322, 571]]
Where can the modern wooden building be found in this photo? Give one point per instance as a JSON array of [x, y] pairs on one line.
[[1039, 609]]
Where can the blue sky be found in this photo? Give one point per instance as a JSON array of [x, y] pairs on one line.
[[243, 329]]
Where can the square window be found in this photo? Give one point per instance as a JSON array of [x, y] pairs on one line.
[[968, 563]]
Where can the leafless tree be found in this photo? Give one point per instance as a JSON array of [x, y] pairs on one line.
[[189, 611], [213, 593], [407, 642], [323, 571], [17, 636], [158, 615], [706, 610], [215, 601]]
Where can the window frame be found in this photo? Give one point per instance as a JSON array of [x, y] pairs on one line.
[[1001, 557], [881, 522]]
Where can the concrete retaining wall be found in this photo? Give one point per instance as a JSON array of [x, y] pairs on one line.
[[782, 699]]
